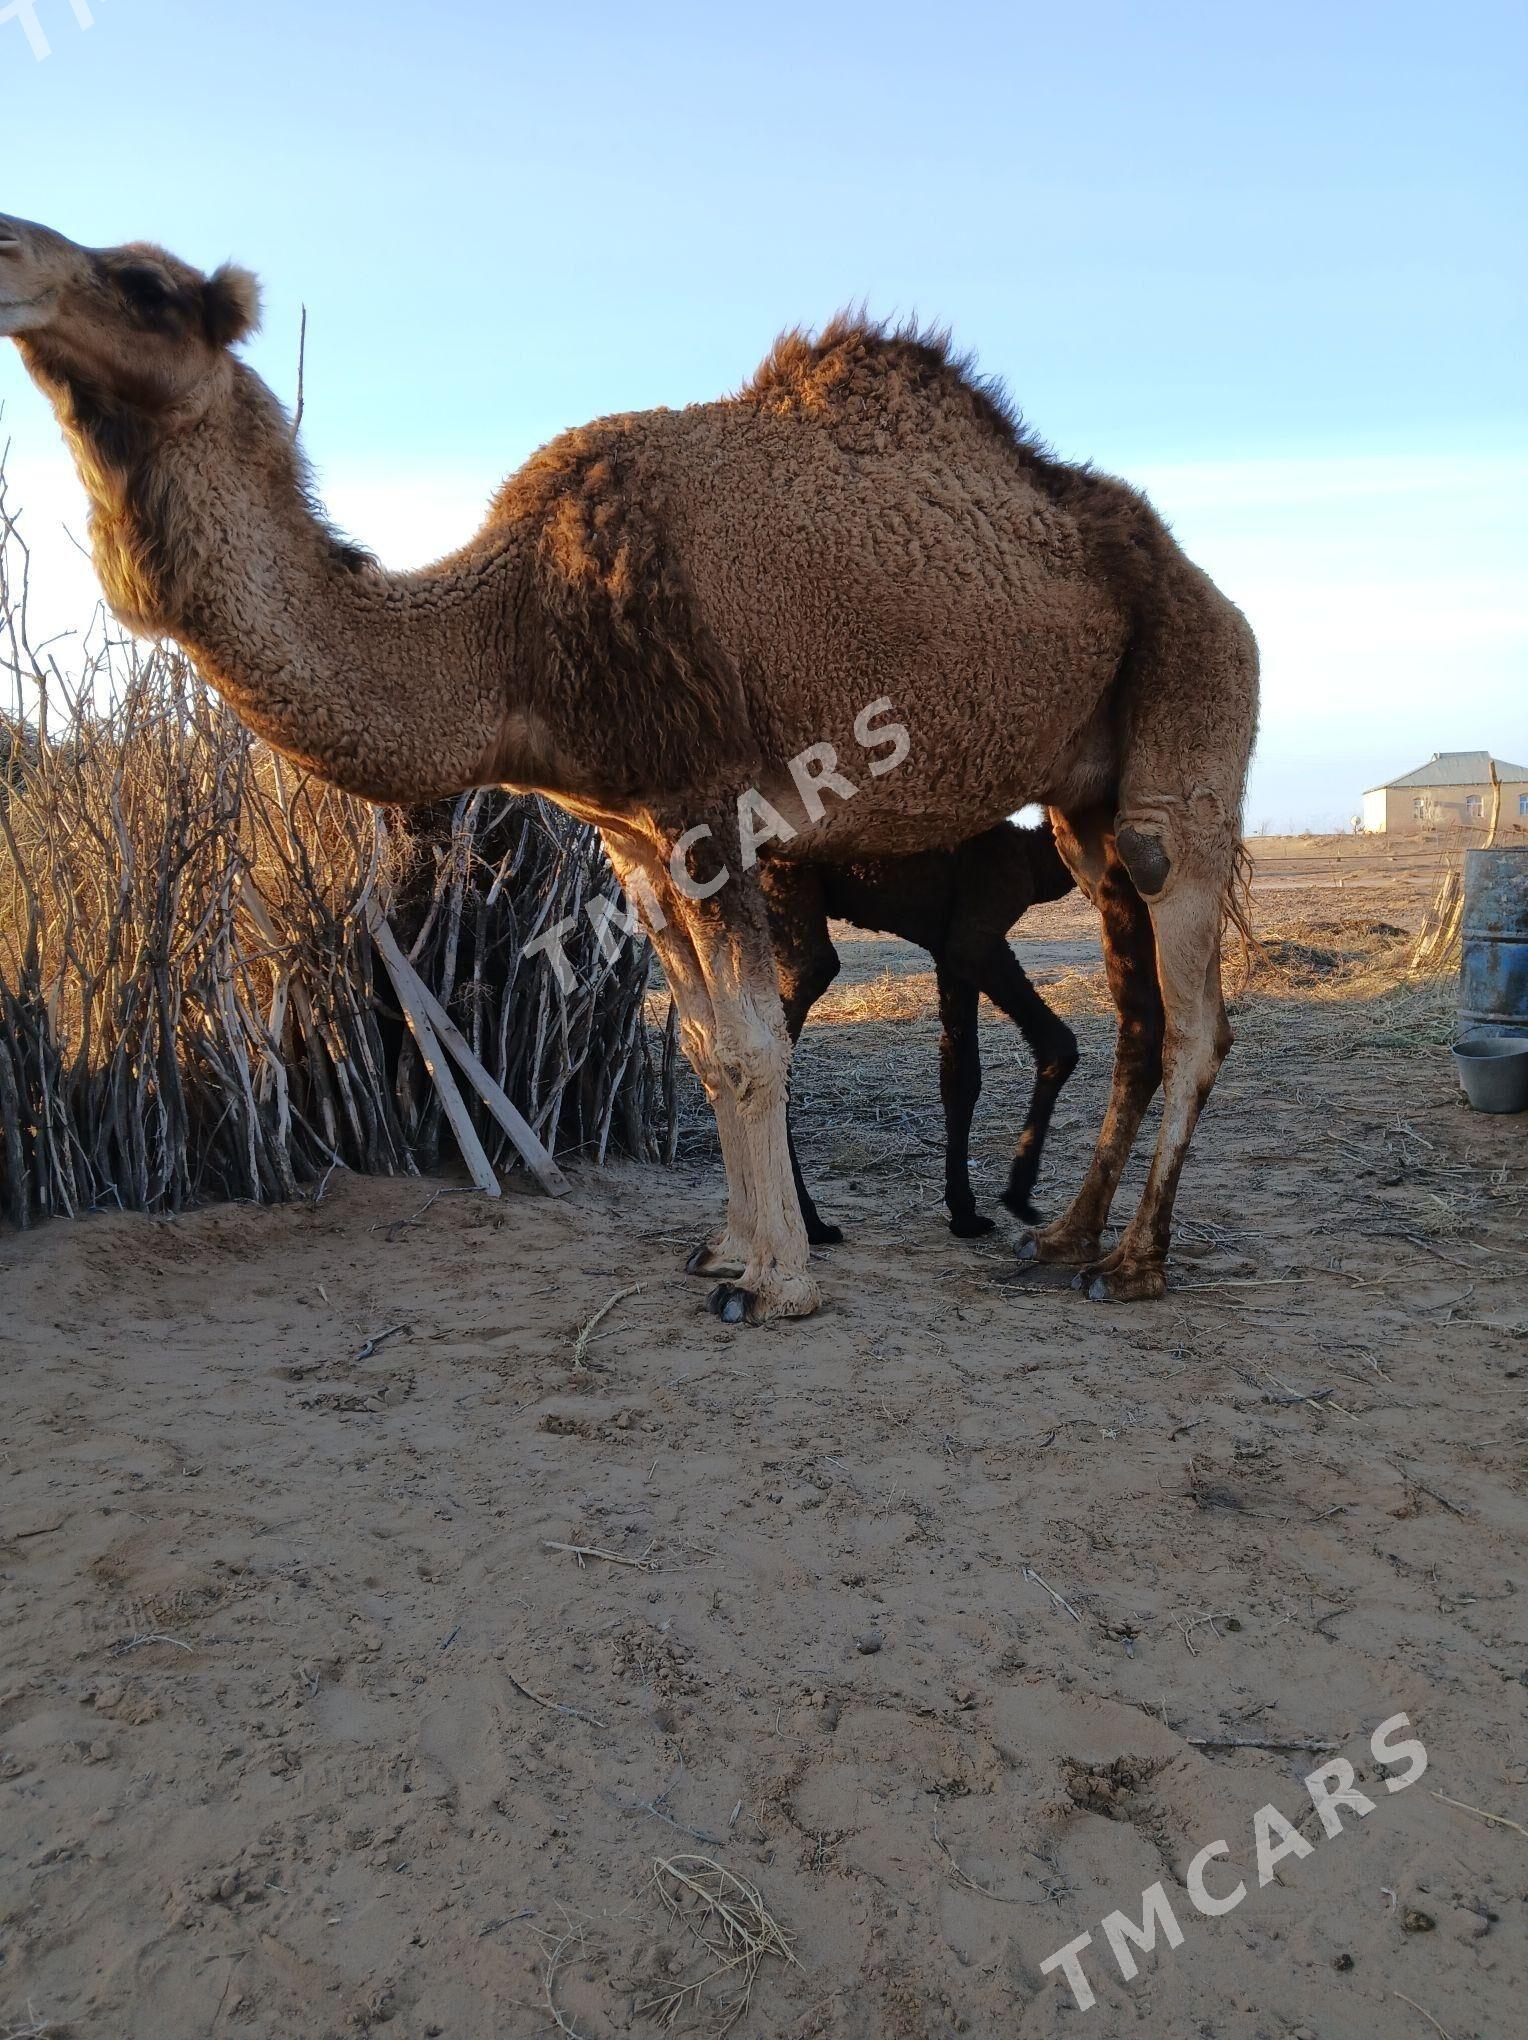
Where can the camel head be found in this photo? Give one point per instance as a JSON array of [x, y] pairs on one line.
[[131, 327]]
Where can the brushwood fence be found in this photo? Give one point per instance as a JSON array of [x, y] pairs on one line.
[[195, 994]]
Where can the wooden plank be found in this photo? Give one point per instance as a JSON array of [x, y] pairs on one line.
[[514, 1123], [440, 1070]]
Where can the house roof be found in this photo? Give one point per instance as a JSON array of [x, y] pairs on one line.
[[1457, 768]]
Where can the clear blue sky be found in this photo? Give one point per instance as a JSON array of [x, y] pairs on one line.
[[1267, 259]]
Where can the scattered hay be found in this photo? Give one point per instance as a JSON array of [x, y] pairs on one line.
[[1367, 934], [732, 1929], [1370, 1012], [890, 995], [1279, 957]]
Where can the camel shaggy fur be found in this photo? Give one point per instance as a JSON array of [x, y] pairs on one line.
[[958, 905], [675, 623]]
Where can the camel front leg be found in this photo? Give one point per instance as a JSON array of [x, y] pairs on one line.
[[728, 1254], [753, 1053], [642, 872], [716, 954], [751, 1047]]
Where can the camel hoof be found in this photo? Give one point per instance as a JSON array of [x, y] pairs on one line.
[[706, 1261], [1052, 1245], [1142, 1283], [773, 1294], [730, 1303], [822, 1235], [1022, 1207], [972, 1227]]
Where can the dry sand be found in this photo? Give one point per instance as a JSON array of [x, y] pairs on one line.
[[305, 1729]]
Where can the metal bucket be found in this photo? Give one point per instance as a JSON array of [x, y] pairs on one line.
[[1493, 1071], [1493, 974]]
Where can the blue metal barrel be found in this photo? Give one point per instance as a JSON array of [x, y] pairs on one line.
[[1493, 974]]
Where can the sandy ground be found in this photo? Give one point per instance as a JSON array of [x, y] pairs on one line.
[[922, 1618]]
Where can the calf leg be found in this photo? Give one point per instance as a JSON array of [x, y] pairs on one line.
[[1054, 1047], [960, 1085], [807, 964]]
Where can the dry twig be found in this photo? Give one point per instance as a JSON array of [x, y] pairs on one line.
[[1419, 2008], [733, 1930], [581, 1348], [586, 1551], [982, 1891], [1495, 1819], [552, 1706], [1059, 1600]]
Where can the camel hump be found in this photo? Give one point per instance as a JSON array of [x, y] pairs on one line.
[[883, 383]]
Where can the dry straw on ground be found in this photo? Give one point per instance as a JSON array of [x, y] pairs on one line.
[[191, 1003], [733, 1932]]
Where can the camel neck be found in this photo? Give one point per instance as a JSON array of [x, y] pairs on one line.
[[375, 681]]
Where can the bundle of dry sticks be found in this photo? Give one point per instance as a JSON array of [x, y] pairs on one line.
[[220, 978]]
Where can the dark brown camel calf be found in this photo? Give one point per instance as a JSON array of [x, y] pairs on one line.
[[958, 905]]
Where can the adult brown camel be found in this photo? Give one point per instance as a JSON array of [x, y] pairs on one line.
[[691, 628], [958, 905]]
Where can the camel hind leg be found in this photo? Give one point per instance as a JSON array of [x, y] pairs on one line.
[[1086, 841], [1191, 715], [1187, 922]]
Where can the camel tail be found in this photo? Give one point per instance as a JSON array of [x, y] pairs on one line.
[[1238, 895], [1237, 906]]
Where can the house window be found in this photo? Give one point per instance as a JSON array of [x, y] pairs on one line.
[[1522, 807], [1472, 806], [1419, 810]]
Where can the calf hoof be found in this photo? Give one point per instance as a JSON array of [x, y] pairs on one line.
[[821, 1235], [731, 1304], [1018, 1202], [973, 1226], [710, 1258]]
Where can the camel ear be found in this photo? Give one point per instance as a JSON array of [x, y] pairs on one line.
[[230, 305]]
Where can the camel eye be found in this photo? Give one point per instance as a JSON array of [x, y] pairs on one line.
[[145, 290]]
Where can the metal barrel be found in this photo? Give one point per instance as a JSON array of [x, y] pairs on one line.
[[1493, 973]]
